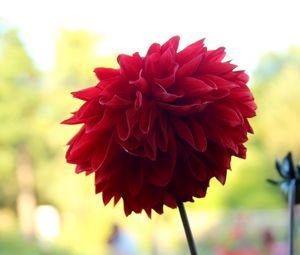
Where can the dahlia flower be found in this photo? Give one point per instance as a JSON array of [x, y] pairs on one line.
[[159, 127]]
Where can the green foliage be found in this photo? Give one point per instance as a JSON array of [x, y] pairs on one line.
[[76, 58], [12, 244], [277, 96], [18, 104]]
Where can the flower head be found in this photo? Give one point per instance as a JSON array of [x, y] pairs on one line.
[[161, 126], [289, 174]]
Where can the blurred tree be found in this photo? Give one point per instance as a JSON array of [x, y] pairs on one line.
[[76, 58], [277, 90], [18, 103]]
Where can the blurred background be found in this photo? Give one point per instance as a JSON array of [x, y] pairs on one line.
[[50, 48]]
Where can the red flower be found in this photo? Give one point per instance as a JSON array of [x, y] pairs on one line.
[[161, 126]]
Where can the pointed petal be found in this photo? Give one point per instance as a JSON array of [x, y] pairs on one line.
[[193, 134], [154, 48], [171, 44], [160, 94], [182, 110], [217, 68], [199, 135], [87, 94], [162, 168], [130, 66], [190, 51], [192, 87], [107, 195], [135, 177], [106, 73], [117, 102], [189, 68], [215, 55], [162, 132], [169, 200]]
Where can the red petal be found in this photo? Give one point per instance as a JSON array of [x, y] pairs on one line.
[[182, 110], [123, 130], [247, 109], [88, 110], [117, 86], [148, 212], [167, 61], [163, 166], [148, 118], [132, 118], [224, 115], [73, 120], [104, 153], [169, 200], [159, 208], [242, 151], [100, 177], [117, 102], [161, 94], [154, 48], [109, 119], [81, 150], [216, 133], [241, 94], [130, 65], [131, 145], [220, 82], [87, 94], [192, 87], [142, 85], [77, 137], [150, 195], [217, 156], [162, 132], [167, 81], [106, 73], [150, 147], [84, 167], [166, 69], [199, 135], [220, 174], [135, 176], [116, 199], [198, 167], [171, 44], [190, 51], [150, 67], [189, 68], [100, 187], [107, 195], [215, 55], [138, 102], [217, 68], [248, 126], [183, 131]]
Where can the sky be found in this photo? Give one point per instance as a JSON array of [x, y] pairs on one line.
[[247, 29]]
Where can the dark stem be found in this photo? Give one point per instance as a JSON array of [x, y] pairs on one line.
[[292, 198], [187, 229]]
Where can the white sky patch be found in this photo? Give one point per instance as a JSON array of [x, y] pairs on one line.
[[246, 28]]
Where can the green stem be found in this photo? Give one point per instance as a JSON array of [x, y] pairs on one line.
[[292, 198], [187, 229]]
